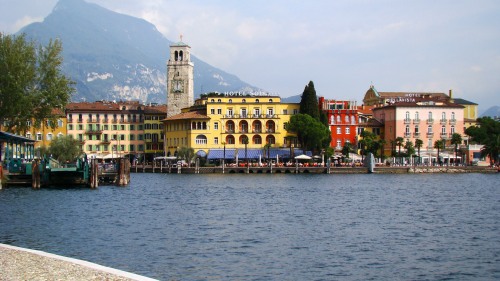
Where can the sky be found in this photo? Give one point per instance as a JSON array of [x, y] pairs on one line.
[[343, 46]]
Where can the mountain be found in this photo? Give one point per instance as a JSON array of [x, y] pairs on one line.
[[292, 99], [492, 112], [113, 56]]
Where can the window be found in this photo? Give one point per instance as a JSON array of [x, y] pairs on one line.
[[339, 143], [416, 130], [270, 112], [201, 139], [429, 129], [216, 140], [430, 115], [257, 101], [216, 125], [443, 130], [243, 100], [332, 119], [39, 136], [219, 101], [339, 130], [70, 127], [285, 111], [212, 100], [452, 130], [49, 136], [89, 147], [230, 101], [407, 130], [132, 147], [443, 116], [347, 130], [347, 119], [453, 116], [270, 100], [416, 116], [132, 127], [132, 137], [244, 112], [230, 112], [219, 111], [338, 119], [212, 110], [28, 135], [407, 116], [59, 123], [295, 111], [256, 112]]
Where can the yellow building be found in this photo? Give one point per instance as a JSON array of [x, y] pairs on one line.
[[226, 120], [153, 130]]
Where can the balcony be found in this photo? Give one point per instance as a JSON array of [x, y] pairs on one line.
[[70, 120], [105, 120], [94, 120], [93, 132], [416, 121], [257, 131], [270, 131], [407, 121], [407, 135], [442, 121], [105, 142], [430, 121], [243, 131], [444, 135], [453, 121], [416, 135], [114, 120], [430, 134], [230, 131], [80, 120]]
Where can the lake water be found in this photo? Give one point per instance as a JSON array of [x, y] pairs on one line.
[[270, 227]]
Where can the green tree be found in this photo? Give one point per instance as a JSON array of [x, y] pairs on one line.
[[186, 153], [381, 143], [310, 133], [410, 149], [399, 141], [439, 144], [456, 140], [346, 149], [309, 102], [31, 82], [418, 145], [486, 133], [64, 149]]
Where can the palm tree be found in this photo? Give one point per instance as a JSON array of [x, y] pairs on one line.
[[381, 143], [492, 149], [456, 139], [418, 144], [439, 144], [346, 149], [399, 142]]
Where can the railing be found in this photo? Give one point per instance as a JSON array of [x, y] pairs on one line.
[[453, 121], [430, 134], [416, 121], [70, 120], [444, 135], [442, 121], [416, 135], [407, 135], [93, 132], [114, 120], [407, 121], [257, 131], [80, 120], [230, 131], [105, 120], [430, 121]]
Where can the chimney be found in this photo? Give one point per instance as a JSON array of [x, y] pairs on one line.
[[451, 96]]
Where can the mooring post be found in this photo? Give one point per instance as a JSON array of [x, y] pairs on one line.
[[94, 177], [35, 174], [1, 175]]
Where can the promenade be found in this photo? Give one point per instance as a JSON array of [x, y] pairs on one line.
[[24, 264]]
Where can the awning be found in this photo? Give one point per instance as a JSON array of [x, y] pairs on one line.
[[219, 153], [251, 153], [303, 157]]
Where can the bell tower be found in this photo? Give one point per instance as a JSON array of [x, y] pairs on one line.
[[180, 74]]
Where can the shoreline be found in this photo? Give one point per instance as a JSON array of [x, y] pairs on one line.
[[315, 170], [18, 263]]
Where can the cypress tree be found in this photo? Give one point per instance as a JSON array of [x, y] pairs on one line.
[[309, 102]]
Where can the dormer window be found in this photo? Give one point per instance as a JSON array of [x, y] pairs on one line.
[[270, 100], [243, 100], [257, 100], [230, 101]]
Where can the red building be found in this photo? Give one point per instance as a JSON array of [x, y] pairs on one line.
[[342, 120]]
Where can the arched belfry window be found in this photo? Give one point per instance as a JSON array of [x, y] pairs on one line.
[[176, 56], [181, 55]]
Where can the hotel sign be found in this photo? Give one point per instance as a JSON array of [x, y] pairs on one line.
[[247, 93]]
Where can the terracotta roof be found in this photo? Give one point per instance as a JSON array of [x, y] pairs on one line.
[[93, 106], [188, 115], [415, 104], [155, 109], [365, 109], [372, 122], [463, 102]]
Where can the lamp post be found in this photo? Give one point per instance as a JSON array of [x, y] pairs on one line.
[[224, 155]]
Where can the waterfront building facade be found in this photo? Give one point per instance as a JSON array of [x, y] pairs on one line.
[[231, 121], [104, 128], [342, 121], [426, 119], [153, 130], [375, 98]]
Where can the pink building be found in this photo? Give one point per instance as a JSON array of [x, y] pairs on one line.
[[426, 119]]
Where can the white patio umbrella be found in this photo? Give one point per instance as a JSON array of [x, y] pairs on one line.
[[303, 157]]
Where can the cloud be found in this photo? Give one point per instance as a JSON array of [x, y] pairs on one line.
[[22, 22]]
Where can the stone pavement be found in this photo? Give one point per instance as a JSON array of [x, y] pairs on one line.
[[25, 264]]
